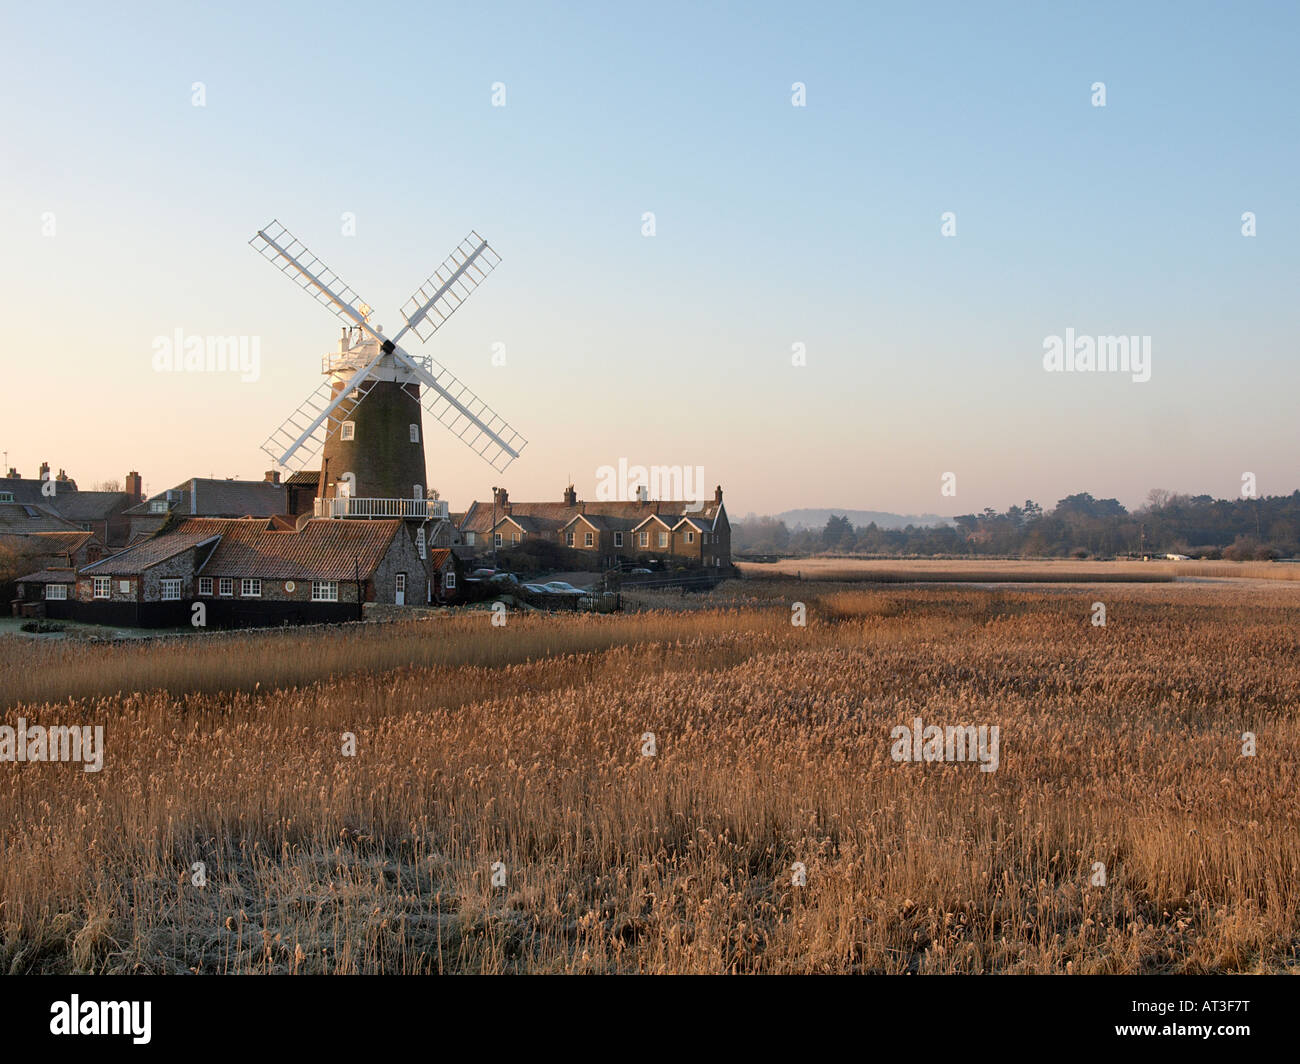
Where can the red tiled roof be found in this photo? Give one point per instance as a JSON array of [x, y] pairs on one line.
[[324, 549], [439, 557], [149, 552], [48, 542]]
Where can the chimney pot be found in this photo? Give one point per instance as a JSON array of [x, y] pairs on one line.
[[273, 476]]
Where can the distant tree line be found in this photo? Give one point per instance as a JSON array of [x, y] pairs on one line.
[[1078, 526]]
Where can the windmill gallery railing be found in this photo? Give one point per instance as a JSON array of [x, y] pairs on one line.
[[426, 509]]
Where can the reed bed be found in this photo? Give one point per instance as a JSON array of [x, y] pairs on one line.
[[500, 813], [1023, 571]]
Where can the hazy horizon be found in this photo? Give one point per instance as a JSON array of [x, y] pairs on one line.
[[775, 226]]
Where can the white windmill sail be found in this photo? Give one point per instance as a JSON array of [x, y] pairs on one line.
[[468, 418], [290, 256], [303, 433]]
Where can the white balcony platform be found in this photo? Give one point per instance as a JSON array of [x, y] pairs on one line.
[[424, 509]]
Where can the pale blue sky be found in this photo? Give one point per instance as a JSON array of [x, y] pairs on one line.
[[775, 225]]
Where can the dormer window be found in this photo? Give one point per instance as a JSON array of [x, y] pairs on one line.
[[157, 506]]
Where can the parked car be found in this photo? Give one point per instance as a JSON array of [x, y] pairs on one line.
[[639, 572], [537, 589], [559, 587]]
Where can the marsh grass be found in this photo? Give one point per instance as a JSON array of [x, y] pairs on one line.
[[1020, 571], [522, 745]]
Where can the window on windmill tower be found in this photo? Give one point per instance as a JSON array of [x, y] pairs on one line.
[[415, 433], [349, 431]]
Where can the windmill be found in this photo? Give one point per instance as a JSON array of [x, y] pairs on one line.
[[365, 419]]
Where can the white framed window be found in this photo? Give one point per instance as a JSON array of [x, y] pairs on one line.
[[205, 585], [415, 433], [469, 539], [589, 540], [56, 591], [449, 580], [227, 586], [644, 539], [568, 539], [690, 537], [124, 586], [250, 588], [103, 587], [324, 591], [515, 537], [496, 538], [663, 539], [348, 431], [171, 589], [419, 541], [157, 506], [618, 539]]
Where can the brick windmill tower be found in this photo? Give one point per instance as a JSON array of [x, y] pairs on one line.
[[366, 419]]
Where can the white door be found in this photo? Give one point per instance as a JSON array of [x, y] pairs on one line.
[[399, 594]]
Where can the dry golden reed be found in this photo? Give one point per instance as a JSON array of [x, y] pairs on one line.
[[517, 751]]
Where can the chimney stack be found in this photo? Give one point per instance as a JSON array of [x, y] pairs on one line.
[[570, 496], [717, 494], [13, 474], [642, 494], [273, 476], [45, 470], [62, 476], [134, 486]]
